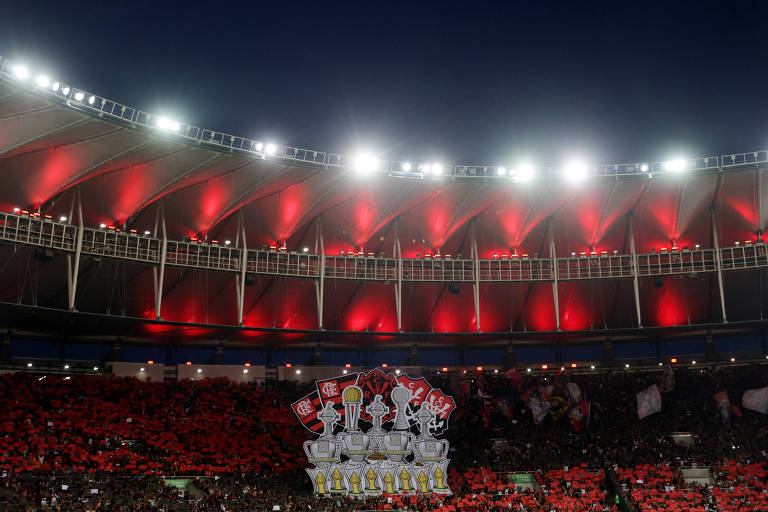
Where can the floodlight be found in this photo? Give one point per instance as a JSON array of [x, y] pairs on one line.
[[524, 173], [426, 168], [66, 367], [146, 233], [142, 369], [199, 370], [63, 218], [245, 370], [95, 368], [365, 163], [575, 171], [91, 99], [501, 171], [102, 225], [270, 148], [644, 168], [65, 91], [677, 165], [227, 242], [16, 209], [167, 124], [306, 249], [437, 169], [259, 146], [79, 96], [42, 81], [298, 372], [406, 167], [55, 86], [21, 72], [29, 365]]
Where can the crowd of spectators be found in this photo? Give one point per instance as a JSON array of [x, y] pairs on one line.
[[63, 438]]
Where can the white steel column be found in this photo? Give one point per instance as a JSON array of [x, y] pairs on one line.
[[158, 277], [74, 268], [396, 253], [718, 263], [553, 256], [476, 272], [633, 252], [320, 282], [243, 267]]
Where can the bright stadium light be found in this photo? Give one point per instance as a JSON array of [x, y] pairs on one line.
[[91, 100], [16, 209], [63, 218], [644, 168], [259, 146], [42, 81], [524, 173], [406, 167], [227, 242], [167, 124], [55, 86], [306, 249], [65, 90], [102, 225], [66, 367], [79, 96], [575, 171], [426, 168], [270, 149], [676, 165], [365, 163], [501, 171], [21, 72], [146, 232], [437, 169]]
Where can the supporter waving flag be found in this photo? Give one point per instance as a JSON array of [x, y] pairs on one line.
[[648, 402], [579, 415], [756, 399], [307, 409]]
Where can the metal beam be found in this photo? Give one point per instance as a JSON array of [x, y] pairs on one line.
[[396, 253], [553, 256], [718, 263], [475, 272], [320, 282], [73, 268], [159, 276], [243, 267], [635, 279]]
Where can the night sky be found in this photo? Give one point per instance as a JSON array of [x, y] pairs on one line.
[[458, 82]]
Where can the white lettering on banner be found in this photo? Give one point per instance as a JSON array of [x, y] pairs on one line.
[[329, 389], [304, 407], [417, 392]]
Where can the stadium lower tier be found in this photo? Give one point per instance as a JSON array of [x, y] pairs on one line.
[[736, 488]]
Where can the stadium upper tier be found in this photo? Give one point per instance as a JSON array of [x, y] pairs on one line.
[[619, 247]]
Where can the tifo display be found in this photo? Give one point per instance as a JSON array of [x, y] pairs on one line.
[[404, 458]]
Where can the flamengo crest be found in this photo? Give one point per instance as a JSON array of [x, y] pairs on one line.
[[397, 454]]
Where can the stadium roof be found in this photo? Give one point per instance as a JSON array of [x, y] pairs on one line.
[[122, 168]]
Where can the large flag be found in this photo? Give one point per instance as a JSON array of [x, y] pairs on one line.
[[723, 404], [756, 399], [418, 387], [539, 409], [574, 392], [330, 390], [579, 415], [648, 402], [307, 409]]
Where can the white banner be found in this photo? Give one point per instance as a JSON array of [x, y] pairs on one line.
[[648, 402], [756, 399]]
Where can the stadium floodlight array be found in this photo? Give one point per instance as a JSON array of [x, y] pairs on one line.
[[363, 163]]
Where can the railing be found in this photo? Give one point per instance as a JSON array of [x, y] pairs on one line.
[[36, 231], [105, 108]]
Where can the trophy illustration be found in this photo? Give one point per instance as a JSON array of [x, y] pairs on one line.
[[377, 409], [327, 448], [396, 442], [425, 447], [355, 442]]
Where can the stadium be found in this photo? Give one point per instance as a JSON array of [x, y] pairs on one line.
[[169, 292]]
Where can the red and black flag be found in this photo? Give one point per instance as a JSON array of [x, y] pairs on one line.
[[579, 415], [307, 409], [373, 383], [418, 387], [331, 390]]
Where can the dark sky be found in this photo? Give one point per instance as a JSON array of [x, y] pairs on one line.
[[460, 82]]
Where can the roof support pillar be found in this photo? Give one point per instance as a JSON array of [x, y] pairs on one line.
[[158, 275], [240, 280], [553, 256], [635, 279], [73, 268], [320, 282], [476, 272], [718, 263], [399, 272]]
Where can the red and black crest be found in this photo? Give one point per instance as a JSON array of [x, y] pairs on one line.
[[375, 383], [307, 410], [330, 390], [418, 387]]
